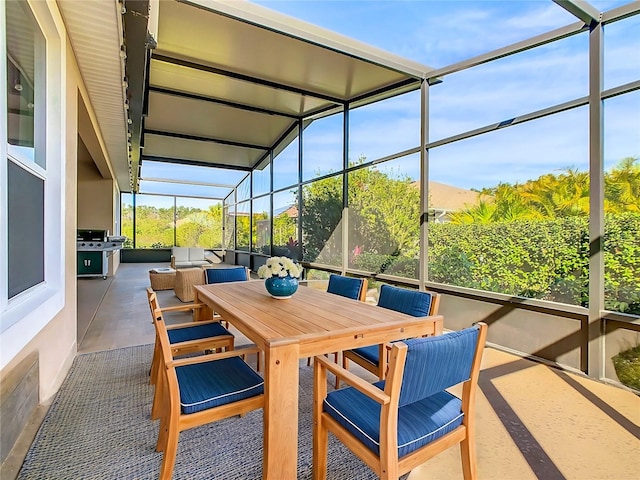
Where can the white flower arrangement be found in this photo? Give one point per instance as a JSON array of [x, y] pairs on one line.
[[279, 267]]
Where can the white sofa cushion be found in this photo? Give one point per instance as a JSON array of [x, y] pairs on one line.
[[196, 254], [181, 254]]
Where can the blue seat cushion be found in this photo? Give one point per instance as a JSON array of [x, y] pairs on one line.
[[223, 275], [419, 423], [345, 286], [370, 353], [219, 382], [196, 332]]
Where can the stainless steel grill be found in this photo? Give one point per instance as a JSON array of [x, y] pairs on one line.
[[92, 247]]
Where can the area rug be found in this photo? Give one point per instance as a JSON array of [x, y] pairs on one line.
[[99, 427]]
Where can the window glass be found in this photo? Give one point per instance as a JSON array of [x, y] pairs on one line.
[[261, 225], [262, 178], [244, 189], [198, 223], [622, 203], [621, 47], [126, 218], [26, 234], [166, 178], [285, 164], [322, 146], [322, 221], [511, 210], [243, 231], [25, 85], [170, 188], [154, 221], [26, 175], [501, 90], [229, 226], [285, 224], [384, 128], [384, 218]]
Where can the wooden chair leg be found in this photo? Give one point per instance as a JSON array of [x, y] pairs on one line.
[[335, 359], [320, 451], [170, 451], [162, 435], [468, 454], [159, 407], [320, 432], [155, 363]]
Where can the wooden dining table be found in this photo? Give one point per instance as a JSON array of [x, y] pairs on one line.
[[311, 322]]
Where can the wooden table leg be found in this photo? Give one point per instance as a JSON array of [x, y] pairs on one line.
[[281, 412], [204, 313]]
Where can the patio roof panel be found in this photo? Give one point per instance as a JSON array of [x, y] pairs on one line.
[[198, 152], [215, 86], [227, 75], [188, 116]]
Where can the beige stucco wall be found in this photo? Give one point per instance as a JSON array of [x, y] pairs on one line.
[[96, 200]]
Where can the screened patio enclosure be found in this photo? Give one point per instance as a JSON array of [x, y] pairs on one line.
[[257, 138]]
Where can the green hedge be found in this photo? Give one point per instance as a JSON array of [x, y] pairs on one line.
[[544, 259]]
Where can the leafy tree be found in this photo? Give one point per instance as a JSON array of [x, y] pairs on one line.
[[321, 216]]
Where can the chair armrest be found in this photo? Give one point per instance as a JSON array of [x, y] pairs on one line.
[[190, 324], [182, 308], [211, 342], [356, 382], [214, 356]]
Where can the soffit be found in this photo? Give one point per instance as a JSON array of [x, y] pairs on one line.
[[236, 74], [95, 32]]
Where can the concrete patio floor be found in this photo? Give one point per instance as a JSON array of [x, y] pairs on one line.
[[533, 420]]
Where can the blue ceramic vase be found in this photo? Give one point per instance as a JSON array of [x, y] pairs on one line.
[[281, 287]]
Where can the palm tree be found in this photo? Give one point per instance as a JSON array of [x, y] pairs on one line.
[[622, 187]]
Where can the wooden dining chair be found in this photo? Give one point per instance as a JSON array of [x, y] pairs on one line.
[[349, 287], [399, 423], [224, 275], [199, 390], [412, 302], [190, 337]]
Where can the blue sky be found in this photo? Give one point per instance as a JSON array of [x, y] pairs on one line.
[[440, 33]]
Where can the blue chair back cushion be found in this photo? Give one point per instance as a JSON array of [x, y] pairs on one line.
[[411, 302], [370, 353], [345, 286], [418, 424], [196, 332], [223, 275], [211, 384], [436, 363]]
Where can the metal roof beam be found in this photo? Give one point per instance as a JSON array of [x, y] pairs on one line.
[[518, 47], [204, 139], [581, 9], [187, 182], [197, 163]]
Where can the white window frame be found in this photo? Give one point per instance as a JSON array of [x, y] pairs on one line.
[[25, 315]]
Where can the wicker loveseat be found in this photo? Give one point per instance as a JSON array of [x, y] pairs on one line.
[[187, 257]]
